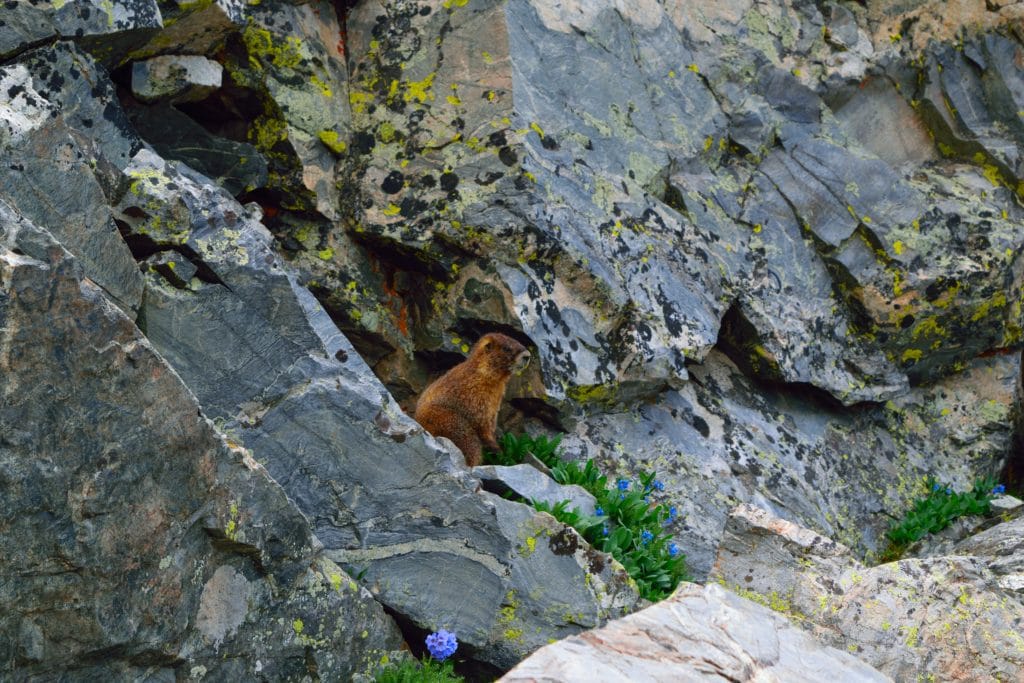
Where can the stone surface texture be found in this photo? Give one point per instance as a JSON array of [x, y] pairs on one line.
[[954, 617], [701, 633], [139, 544], [181, 78], [771, 250], [532, 484]]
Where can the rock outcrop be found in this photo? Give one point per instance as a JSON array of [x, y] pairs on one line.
[[267, 364], [770, 249], [701, 633], [953, 617], [137, 541]]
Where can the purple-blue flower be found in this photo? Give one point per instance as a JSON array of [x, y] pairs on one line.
[[442, 644], [646, 536], [659, 485], [949, 490], [673, 549], [999, 489], [936, 487], [623, 484], [671, 515], [599, 511], [604, 530]]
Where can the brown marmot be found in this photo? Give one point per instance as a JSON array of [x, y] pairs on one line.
[[463, 403]]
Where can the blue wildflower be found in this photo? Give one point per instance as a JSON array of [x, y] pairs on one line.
[[936, 487], [623, 484], [673, 549], [599, 511], [442, 644], [998, 490], [604, 530], [671, 515], [949, 491], [646, 537], [659, 485]]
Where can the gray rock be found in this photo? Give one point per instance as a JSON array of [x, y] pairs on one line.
[[925, 617], [179, 78], [293, 59], [701, 633], [1007, 504], [133, 527], [842, 27], [173, 267], [386, 502], [109, 27], [66, 140], [724, 186], [532, 484], [236, 166], [721, 440], [1003, 547]]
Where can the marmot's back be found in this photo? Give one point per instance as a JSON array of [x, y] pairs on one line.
[[463, 403]]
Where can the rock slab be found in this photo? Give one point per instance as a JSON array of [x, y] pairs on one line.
[[944, 618], [701, 633]]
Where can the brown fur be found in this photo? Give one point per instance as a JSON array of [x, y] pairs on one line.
[[463, 403]]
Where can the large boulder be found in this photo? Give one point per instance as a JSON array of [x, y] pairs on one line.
[[701, 633], [112, 27], [136, 541], [389, 504], [65, 141], [946, 617], [723, 439]]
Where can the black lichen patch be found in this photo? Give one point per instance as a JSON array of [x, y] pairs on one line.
[[393, 183], [565, 542], [449, 181], [507, 156]]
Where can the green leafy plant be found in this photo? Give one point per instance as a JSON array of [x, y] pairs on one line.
[[627, 524], [514, 449], [411, 671], [937, 510]]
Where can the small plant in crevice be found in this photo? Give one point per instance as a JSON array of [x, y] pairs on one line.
[[936, 511], [515, 448], [436, 668], [627, 524]]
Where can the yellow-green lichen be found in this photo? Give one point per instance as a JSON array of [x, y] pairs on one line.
[[263, 48], [331, 139], [421, 91], [231, 528]]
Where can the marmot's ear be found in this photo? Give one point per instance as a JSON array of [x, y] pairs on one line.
[[484, 343]]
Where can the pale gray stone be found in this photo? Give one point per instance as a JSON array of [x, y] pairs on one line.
[[180, 78], [927, 616], [701, 633], [532, 484]]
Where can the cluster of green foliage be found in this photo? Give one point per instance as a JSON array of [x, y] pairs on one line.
[[410, 671], [627, 525], [515, 448], [936, 511]]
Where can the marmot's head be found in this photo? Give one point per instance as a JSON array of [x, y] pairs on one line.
[[502, 354]]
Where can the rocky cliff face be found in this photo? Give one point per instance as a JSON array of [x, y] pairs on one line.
[[770, 249]]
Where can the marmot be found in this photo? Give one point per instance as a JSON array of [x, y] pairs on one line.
[[463, 403]]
